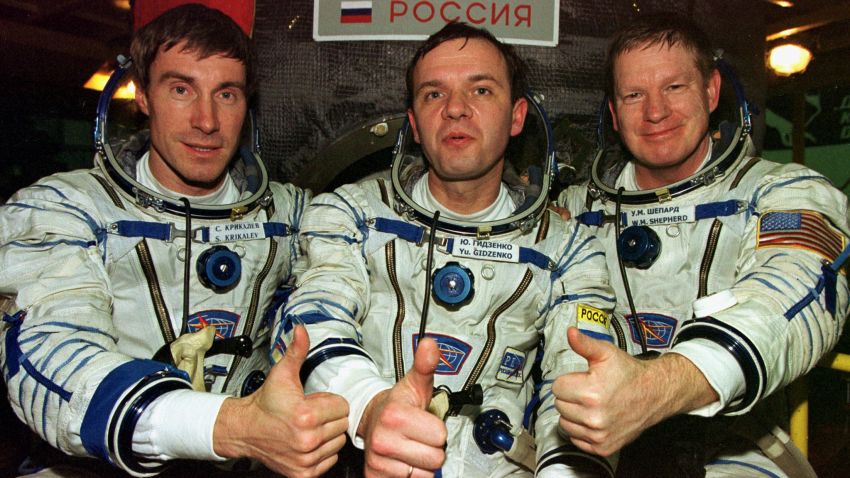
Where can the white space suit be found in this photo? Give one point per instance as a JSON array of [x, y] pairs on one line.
[[744, 283], [93, 263], [362, 299]]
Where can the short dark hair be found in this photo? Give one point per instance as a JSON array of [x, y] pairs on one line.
[[517, 74], [205, 30], [660, 29]]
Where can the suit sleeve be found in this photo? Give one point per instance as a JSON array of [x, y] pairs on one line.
[[579, 295], [65, 376], [790, 297], [332, 295]]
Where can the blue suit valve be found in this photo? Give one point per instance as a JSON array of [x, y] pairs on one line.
[[453, 285], [639, 246], [219, 268], [492, 432]]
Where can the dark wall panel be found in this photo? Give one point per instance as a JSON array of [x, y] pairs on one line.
[[313, 92]]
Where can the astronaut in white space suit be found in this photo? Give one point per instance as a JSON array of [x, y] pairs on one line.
[[461, 250], [100, 279], [733, 265]]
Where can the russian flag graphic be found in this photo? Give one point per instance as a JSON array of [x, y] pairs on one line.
[[356, 12]]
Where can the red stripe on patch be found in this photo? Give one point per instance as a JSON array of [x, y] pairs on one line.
[[813, 233], [356, 19]]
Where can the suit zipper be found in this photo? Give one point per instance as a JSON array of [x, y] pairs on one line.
[[491, 334], [252, 309], [708, 257], [398, 359], [149, 271]]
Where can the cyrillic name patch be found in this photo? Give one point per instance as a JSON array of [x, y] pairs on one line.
[[661, 215], [237, 231], [491, 250]]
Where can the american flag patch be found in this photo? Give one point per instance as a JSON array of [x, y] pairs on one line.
[[800, 229], [356, 12]]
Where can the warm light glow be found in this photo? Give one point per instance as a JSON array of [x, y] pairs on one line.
[[784, 33], [789, 59], [98, 81], [126, 92], [122, 4]]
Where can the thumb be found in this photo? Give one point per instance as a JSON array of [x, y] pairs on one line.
[[420, 378], [595, 351], [562, 211], [290, 365]]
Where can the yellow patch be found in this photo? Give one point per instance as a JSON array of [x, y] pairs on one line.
[[592, 315]]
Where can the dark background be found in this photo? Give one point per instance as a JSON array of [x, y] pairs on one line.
[[313, 95]]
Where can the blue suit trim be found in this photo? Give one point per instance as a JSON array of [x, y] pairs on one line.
[[570, 455], [751, 363], [404, 230], [597, 335], [15, 359], [702, 211], [329, 349], [112, 389], [745, 465]]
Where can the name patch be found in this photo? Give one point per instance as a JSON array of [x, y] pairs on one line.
[[236, 231], [490, 250], [660, 215]]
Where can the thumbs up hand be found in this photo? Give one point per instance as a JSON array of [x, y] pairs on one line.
[[619, 396], [402, 438], [293, 434]]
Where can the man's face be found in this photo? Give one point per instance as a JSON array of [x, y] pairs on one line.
[[661, 107], [196, 109], [462, 113]]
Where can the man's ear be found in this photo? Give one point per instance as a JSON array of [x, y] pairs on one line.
[[411, 118], [613, 112], [712, 89], [518, 115], [142, 101]]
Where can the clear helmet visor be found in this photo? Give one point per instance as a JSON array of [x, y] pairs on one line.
[[119, 147], [730, 144], [528, 174]]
